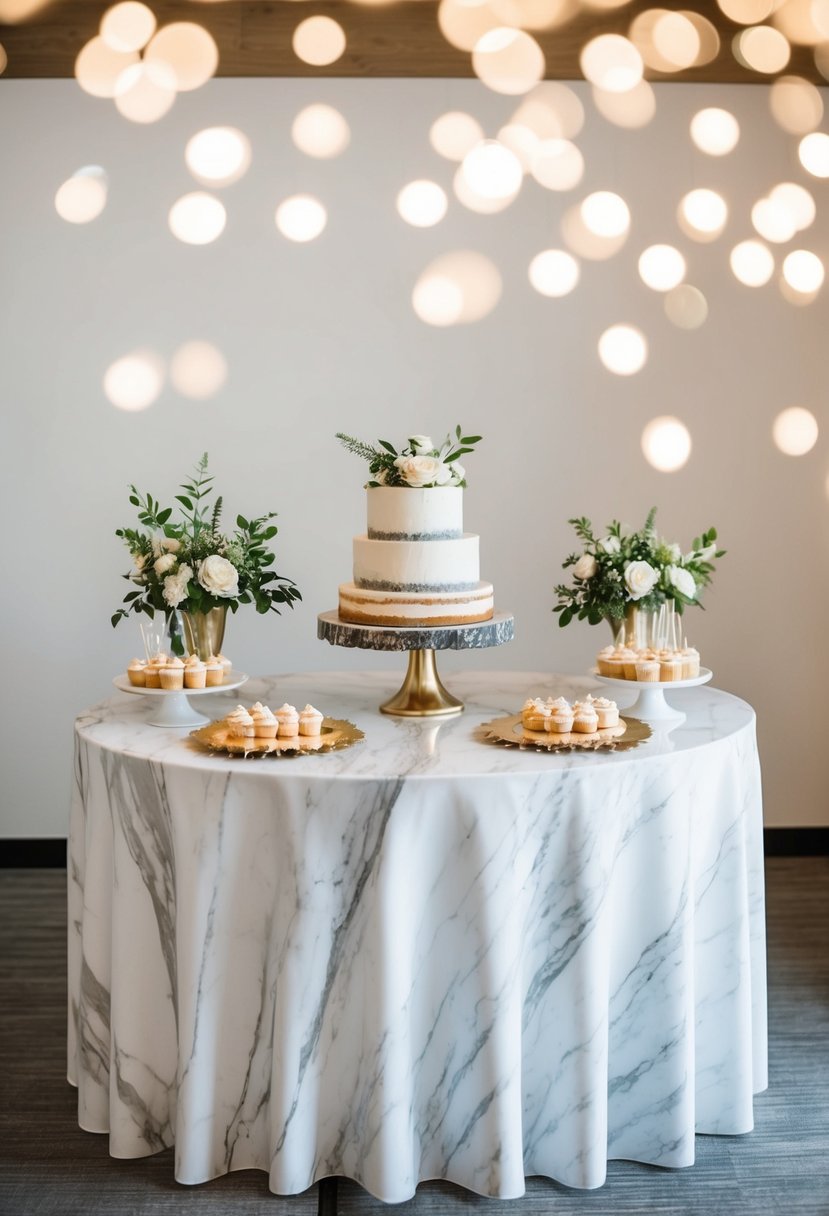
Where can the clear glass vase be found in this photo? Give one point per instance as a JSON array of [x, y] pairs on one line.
[[641, 628], [204, 631], [164, 633]]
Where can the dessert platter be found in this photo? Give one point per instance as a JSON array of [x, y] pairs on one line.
[[554, 725], [261, 731], [172, 681], [651, 671]]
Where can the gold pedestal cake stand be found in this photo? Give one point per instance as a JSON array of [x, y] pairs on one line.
[[421, 695]]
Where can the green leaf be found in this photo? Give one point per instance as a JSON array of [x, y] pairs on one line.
[[471, 438], [115, 618], [387, 446], [135, 502], [457, 432], [164, 515], [242, 523], [185, 502]]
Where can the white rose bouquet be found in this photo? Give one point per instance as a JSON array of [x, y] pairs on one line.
[[640, 568], [191, 565], [420, 464]]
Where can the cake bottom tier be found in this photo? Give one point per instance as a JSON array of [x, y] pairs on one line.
[[400, 608]]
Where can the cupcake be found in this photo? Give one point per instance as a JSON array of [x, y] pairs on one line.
[[288, 720], [585, 718], [607, 712], [310, 721], [605, 661], [647, 671], [628, 657], [534, 714], [172, 674], [227, 666], [195, 672], [152, 674], [240, 723], [616, 663], [137, 673], [670, 666], [690, 663], [214, 672], [561, 716], [264, 722]]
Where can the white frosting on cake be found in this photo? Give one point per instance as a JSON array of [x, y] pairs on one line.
[[401, 513], [401, 608], [417, 566]]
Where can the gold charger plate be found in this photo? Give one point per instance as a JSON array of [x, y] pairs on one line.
[[510, 731], [336, 735]]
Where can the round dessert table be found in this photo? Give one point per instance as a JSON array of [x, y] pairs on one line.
[[425, 956]]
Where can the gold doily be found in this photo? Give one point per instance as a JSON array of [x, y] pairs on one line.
[[509, 731], [336, 734]]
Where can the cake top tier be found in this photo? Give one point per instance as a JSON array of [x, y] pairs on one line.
[[398, 514]]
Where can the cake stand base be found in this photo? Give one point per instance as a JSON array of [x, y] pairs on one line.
[[422, 695], [651, 706], [175, 710]]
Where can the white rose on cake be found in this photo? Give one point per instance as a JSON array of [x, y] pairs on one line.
[[421, 445], [682, 580], [458, 472], [640, 579], [219, 576], [586, 566], [421, 471]]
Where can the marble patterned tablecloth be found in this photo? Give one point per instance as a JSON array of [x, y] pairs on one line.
[[424, 957]]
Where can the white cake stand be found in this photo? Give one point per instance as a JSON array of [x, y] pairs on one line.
[[651, 705], [173, 707]]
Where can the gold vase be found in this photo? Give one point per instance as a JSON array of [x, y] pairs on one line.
[[204, 631], [634, 629]]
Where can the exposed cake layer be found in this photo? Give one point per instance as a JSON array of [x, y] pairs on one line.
[[401, 513], [417, 566], [364, 607]]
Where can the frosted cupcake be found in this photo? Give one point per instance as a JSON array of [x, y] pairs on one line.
[[195, 672], [137, 673], [152, 675], [310, 721], [172, 674], [670, 666], [534, 714], [288, 720], [607, 712], [647, 671], [690, 663], [561, 716], [605, 661], [585, 718], [240, 723], [265, 724], [629, 658], [214, 672], [227, 666]]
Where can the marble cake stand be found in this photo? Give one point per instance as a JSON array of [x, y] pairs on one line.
[[421, 694]]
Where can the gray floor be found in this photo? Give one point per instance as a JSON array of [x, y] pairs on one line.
[[47, 1165]]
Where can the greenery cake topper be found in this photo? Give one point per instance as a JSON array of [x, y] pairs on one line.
[[420, 465], [189, 564], [640, 568]]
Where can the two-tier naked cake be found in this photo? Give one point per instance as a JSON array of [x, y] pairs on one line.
[[416, 565]]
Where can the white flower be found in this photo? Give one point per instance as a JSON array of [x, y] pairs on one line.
[[164, 563], [640, 578], [610, 544], [458, 471], [586, 566], [139, 560], [175, 586], [705, 555], [219, 576], [674, 552], [381, 477], [421, 471], [683, 580], [421, 444], [170, 544]]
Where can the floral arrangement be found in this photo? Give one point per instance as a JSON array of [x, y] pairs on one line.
[[639, 568], [421, 465], [191, 565]]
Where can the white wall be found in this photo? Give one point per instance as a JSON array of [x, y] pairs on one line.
[[322, 337]]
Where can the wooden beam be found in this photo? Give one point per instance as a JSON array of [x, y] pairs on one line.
[[397, 39]]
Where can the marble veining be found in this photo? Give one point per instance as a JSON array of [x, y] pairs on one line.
[[422, 957], [495, 632]]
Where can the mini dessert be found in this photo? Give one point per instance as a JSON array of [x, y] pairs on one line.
[[629, 658], [137, 673], [535, 714], [310, 721], [561, 716], [195, 672], [605, 661], [214, 672], [690, 662], [647, 671], [152, 676], [288, 720], [240, 723], [670, 665], [265, 724], [607, 712], [585, 718], [172, 674], [227, 666]]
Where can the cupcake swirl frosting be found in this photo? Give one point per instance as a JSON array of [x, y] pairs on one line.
[[240, 717]]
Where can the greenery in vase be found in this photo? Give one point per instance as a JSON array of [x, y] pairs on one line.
[[190, 564], [641, 568], [420, 464]]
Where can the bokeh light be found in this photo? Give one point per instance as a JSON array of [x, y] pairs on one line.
[[197, 218], [98, 67], [553, 272], [318, 41], [145, 91], [715, 131], [746, 12], [605, 214], [813, 151], [492, 171], [585, 243], [803, 271], [557, 164], [795, 431], [4, 59], [533, 14], [551, 111], [454, 134], [666, 444], [134, 382], [762, 48], [508, 60], [703, 214], [479, 203], [623, 350], [796, 104], [422, 203], [752, 263], [709, 39], [676, 40], [301, 217], [797, 200], [686, 307], [632, 109], [320, 131], [128, 26], [457, 288], [198, 370], [83, 196], [463, 24], [218, 156], [661, 267], [522, 141], [773, 220], [189, 50], [14, 11], [611, 62]]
